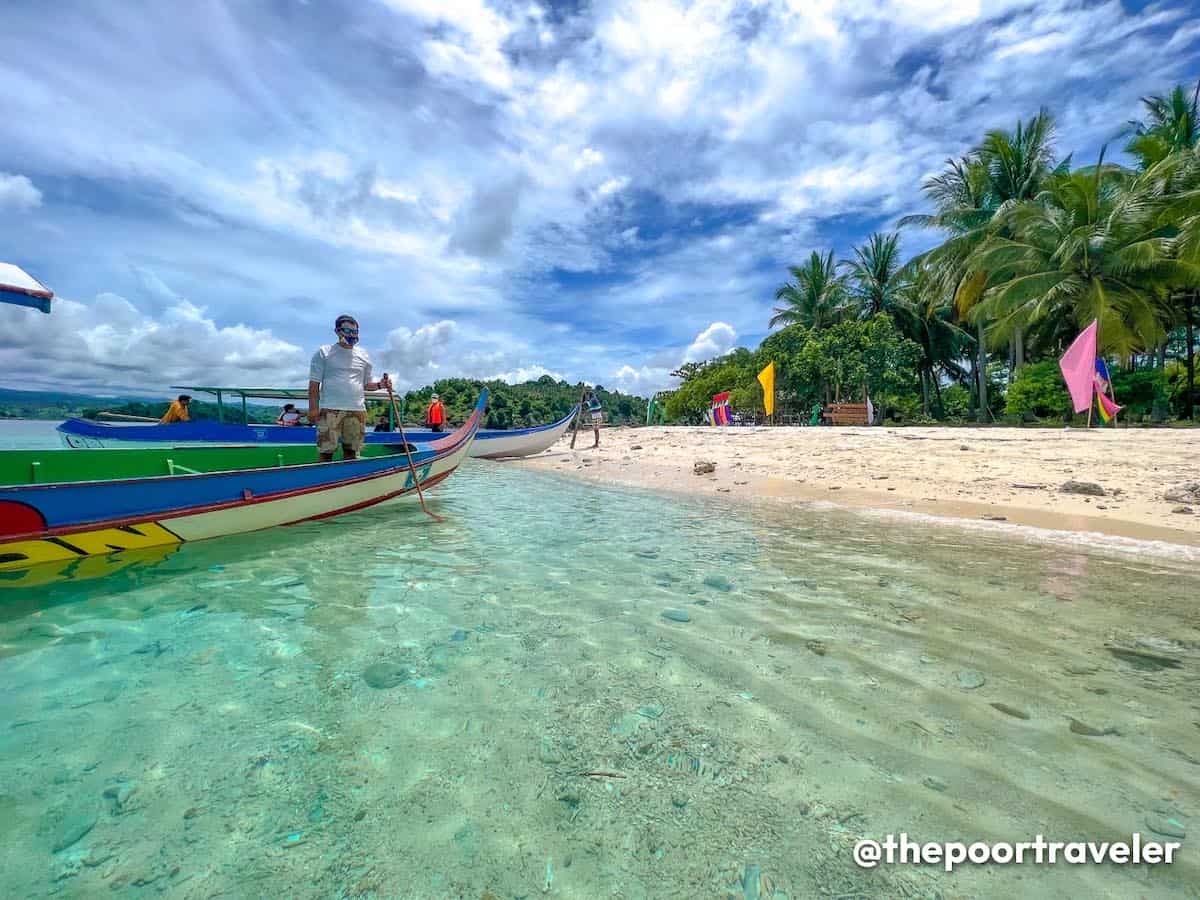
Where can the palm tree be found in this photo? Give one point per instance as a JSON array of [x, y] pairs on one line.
[[1172, 124], [965, 205], [873, 274], [1090, 245], [1019, 161], [1006, 168], [923, 314], [816, 299], [1167, 144]]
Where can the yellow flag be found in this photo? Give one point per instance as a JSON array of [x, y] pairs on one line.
[[767, 379]]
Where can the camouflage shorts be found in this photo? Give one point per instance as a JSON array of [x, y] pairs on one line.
[[341, 426]]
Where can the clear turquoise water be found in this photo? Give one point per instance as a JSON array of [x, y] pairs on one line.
[[381, 706]]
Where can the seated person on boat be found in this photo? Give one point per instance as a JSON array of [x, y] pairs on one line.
[[177, 411], [289, 416]]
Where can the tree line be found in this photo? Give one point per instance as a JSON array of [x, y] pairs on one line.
[[1033, 248], [509, 406]]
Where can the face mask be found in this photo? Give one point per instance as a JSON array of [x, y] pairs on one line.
[[348, 337]]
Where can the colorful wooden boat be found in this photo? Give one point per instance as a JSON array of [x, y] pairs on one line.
[[58, 505], [489, 444]]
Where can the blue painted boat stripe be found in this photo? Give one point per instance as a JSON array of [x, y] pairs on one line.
[[71, 503]]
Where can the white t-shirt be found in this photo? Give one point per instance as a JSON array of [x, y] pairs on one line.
[[343, 373]]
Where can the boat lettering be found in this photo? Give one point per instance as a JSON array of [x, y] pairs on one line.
[[19, 554], [422, 474]]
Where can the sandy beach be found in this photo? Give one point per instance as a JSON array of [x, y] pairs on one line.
[[1009, 475]]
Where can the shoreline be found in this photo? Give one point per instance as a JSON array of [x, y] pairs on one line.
[[1006, 478]]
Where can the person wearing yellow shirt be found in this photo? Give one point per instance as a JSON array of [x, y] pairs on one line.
[[177, 411]]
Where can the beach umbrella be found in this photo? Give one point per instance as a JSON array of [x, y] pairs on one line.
[[20, 288]]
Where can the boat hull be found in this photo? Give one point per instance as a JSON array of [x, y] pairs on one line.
[[493, 444], [64, 521]]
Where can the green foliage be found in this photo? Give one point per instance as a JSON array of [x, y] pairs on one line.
[[816, 298], [1140, 392], [956, 402], [844, 359], [518, 405], [16, 404], [1175, 376], [838, 361], [197, 410], [1038, 390], [733, 372]]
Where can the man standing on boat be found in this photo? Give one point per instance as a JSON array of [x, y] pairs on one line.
[[338, 377]]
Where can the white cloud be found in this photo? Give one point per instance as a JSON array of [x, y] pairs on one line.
[[447, 161], [612, 185], [643, 381], [18, 193], [715, 340], [524, 373], [1043, 43], [655, 375], [408, 349], [111, 342]]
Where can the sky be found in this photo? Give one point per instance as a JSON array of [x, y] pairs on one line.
[[597, 191]]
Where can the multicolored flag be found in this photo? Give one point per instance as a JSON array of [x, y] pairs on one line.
[[1108, 409], [1103, 383], [1078, 367], [719, 414]]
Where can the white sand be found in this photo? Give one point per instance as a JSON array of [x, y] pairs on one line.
[[961, 473]]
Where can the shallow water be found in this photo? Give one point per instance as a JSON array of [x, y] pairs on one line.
[[380, 706]]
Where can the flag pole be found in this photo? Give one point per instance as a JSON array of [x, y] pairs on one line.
[[1092, 405]]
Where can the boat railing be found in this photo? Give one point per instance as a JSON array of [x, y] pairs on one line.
[[173, 468]]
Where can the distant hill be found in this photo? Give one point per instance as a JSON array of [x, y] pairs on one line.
[[16, 404], [511, 405]]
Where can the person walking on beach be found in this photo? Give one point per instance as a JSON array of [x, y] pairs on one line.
[[435, 415], [177, 411], [338, 377], [595, 414]]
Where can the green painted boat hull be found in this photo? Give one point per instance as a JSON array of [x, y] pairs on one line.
[[23, 467]]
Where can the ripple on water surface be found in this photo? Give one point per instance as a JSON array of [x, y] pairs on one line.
[[381, 706]]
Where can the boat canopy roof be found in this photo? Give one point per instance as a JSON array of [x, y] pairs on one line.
[[20, 288], [266, 393]]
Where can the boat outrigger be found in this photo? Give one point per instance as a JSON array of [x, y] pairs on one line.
[[488, 444], [60, 505]]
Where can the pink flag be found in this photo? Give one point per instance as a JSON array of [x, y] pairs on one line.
[[1078, 366]]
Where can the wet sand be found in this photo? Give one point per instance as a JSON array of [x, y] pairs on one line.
[[1009, 475]]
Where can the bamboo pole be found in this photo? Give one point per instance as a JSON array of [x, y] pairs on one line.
[[578, 416], [411, 468], [122, 417]]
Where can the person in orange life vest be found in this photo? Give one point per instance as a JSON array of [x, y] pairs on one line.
[[435, 415], [177, 411]]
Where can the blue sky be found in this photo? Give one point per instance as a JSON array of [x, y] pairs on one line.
[[598, 190]]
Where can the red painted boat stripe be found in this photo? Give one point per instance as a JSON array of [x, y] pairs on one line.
[[212, 507]]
